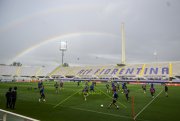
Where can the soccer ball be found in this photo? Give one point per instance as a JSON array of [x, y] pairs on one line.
[[101, 105]]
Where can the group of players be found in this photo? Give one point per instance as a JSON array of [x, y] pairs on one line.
[[41, 89], [152, 89], [115, 87], [86, 89], [58, 86], [11, 95]]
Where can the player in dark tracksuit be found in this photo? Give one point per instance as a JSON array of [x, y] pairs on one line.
[[144, 88], [115, 97], [78, 83], [107, 87], [13, 98], [8, 97], [152, 90], [126, 92], [85, 92], [166, 90], [42, 94]]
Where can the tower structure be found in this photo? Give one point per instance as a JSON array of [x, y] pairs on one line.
[[123, 46]]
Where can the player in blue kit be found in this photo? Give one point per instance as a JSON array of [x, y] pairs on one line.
[[166, 90], [126, 92], [85, 92], [115, 97], [92, 88], [42, 94]]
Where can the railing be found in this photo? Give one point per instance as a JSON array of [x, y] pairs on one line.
[[9, 116]]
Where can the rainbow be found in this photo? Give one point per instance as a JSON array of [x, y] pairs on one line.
[[60, 37]]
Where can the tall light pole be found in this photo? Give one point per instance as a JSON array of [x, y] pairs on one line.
[[123, 47], [63, 48], [123, 51], [155, 55]]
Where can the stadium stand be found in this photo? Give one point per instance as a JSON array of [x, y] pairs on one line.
[[149, 71], [8, 70]]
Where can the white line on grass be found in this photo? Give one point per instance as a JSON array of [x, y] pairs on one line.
[[101, 112], [147, 105], [65, 99], [111, 97]]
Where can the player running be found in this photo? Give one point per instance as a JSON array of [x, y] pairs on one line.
[[115, 97], [78, 83], [56, 87], [85, 92], [92, 88], [144, 88], [42, 94], [107, 88], [61, 85], [118, 86], [152, 90], [126, 92], [40, 84], [166, 90], [123, 87]]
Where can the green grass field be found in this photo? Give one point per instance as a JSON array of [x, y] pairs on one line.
[[69, 104]]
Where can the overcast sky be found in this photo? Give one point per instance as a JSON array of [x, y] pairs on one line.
[[31, 31]]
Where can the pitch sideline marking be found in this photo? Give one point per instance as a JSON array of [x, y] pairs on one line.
[[147, 105], [111, 97], [106, 113], [65, 99], [100, 112]]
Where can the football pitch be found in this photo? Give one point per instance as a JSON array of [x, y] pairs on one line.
[[69, 103]]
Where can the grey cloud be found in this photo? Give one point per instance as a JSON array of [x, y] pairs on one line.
[[149, 24]]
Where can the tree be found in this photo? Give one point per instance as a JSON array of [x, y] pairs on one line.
[[16, 64], [65, 65]]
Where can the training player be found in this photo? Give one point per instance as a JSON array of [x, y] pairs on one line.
[[86, 83], [78, 83], [123, 87], [107, 87], [85, 92], [56, 87], [8, 97], [42, 94], [92, 88], [118, 87], [152, 90], [113, 88], [115, 97], [144, 88], [126, 92], [40, 84], [13, 98], [94, 83], [166, 90], [61, 85]]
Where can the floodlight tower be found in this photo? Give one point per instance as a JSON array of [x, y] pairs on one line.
[[123, 54], [123, 49], [63, 48], [156, 56]]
